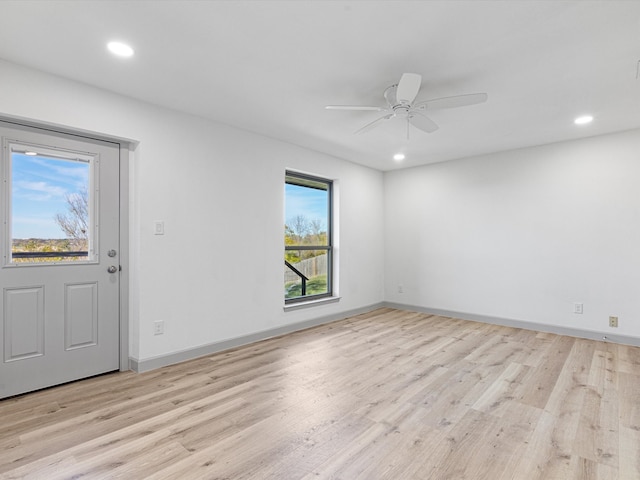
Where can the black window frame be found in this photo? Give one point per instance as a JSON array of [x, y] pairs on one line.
[[306, 180]]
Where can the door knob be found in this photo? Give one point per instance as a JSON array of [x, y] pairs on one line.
[[112, 269]]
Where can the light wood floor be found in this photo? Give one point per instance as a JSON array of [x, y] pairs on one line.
[[383, 395]]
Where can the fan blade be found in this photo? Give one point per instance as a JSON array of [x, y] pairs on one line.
[[423, 123], [373, 124], [408, 87], [390, 95], [453, 102], [354, 107]]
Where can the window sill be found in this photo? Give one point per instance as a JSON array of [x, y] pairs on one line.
[[310, 303]]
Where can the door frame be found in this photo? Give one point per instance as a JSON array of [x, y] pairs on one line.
[[126, 148]]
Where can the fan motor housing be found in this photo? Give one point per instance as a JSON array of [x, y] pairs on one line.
[[401, 110]]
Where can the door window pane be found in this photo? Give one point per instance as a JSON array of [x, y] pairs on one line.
[[50, 202]]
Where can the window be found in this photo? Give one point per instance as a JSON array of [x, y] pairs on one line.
[[307, 238], [50, 207]]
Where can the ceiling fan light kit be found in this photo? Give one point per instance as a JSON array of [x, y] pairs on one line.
[[400, 98]]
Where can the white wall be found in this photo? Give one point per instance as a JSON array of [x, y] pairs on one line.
[[519, 235], [217, 273], [522, 234]]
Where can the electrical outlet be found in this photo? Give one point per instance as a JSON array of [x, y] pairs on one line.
[[613, 322], [400, 289], [577, 308], [158, 327], [158, 227]]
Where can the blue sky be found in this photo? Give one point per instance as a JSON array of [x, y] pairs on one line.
[[40, 186], [305, 201]]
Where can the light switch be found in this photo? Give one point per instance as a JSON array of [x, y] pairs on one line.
[[158, 228]]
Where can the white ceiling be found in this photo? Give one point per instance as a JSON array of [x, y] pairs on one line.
[[271, 66]]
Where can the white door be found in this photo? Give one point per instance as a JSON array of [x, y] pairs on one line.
[[59, 279]]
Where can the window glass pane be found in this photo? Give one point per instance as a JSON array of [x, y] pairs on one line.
[[307, 215], [49, 219], [308, 267], [307, 237]]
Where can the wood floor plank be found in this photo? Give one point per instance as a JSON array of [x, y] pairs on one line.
[[537, 388], [387, 394]]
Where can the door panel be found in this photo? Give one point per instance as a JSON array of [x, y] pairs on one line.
[[60, 305], [81, 315], [23, 323]]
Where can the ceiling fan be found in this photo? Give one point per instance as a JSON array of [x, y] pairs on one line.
[[400, 104]]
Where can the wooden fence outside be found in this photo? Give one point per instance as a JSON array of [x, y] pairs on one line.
[[311, 267]]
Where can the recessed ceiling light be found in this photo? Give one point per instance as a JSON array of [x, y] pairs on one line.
[[398, 157], [583, 120], [120, 49]]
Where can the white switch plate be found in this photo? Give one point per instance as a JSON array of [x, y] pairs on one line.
[[158, 327], [158, 228]]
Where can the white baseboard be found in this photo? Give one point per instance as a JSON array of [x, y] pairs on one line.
[[148, 364], [507, 322]]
